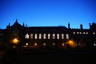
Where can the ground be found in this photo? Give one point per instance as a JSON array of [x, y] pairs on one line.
[[33, 56]]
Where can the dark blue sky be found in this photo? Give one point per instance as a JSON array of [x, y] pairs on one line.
[[48, 12]]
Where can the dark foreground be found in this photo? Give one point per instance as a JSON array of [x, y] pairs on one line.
[[65, 56]]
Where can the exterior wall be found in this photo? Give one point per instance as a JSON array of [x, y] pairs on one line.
[[53, 37]]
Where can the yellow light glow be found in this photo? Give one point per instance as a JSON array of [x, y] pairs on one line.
[[15, 41], [72, 43]]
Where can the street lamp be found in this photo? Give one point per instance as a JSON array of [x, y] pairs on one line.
[[72, 43], [15, 41]]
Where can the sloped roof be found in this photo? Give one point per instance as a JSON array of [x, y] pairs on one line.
[[47, 29]]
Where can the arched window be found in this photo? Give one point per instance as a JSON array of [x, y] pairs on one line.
[[35, 36], [44, 44], [35, 44], [53, 36], [80, 32], [26, 44], [93, 33], [83, 32], [44, 36], [62, 44], [77, 32], [57, 36], [53, 44], [40, 36], [62, 36], [31, 36], [48, 36], [73, 32], [86, 32], [27, 36], [67, 36], [94, 44]]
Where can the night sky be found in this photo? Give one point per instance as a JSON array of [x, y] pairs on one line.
[[48, 12]]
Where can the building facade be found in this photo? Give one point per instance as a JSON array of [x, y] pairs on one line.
[[22, 36]]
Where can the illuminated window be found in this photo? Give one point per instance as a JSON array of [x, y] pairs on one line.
[[53, 36], [35, 44], [31, 36], [80, 32], [62, 36], [44, 44], [73, 32], [27, 36], [26, 44], [48, 36], [86, 32], [77, 32], [57, 36], [93, 33], [35, 36], [94, 44], [63, 44], [44, 36], [40, 36], [53, 44], [67, 36], [83, 32]]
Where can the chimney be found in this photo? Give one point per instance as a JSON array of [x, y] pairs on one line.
[[81, 26], [69, 25], [23, 24], [8, 25], [89, 25]]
